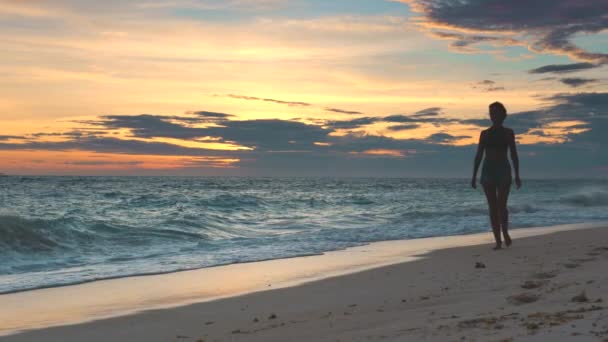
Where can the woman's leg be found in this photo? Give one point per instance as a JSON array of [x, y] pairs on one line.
[[490, 191], [503, 198]]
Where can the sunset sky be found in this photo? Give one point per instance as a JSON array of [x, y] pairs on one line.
[[299, 87]]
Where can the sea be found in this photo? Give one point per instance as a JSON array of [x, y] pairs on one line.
[[66, 230]]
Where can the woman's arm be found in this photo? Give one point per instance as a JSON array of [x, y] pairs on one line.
[[514, 158], [478, 157]]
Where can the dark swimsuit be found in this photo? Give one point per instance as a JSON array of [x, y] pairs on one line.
[[496, 172]]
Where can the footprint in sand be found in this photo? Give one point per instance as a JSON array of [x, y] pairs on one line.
[[533, 284], [545, 275], [571, 265], [523, 298], [580, 298]]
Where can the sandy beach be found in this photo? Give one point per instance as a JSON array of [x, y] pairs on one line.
[[551, 285]]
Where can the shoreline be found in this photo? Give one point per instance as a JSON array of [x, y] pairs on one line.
[[132, 297], [152, 274]]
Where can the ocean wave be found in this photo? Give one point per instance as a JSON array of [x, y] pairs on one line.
[[60, 230], [23, 235], [591, 198], [360, 200], [232, 201], [35, 236], [523, 208]]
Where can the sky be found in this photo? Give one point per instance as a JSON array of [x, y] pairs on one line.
[[381, 88]]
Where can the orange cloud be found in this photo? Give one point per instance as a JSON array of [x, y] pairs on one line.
[[553, 133], [385, 153]]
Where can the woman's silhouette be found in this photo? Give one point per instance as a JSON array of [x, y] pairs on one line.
[[496, 170]]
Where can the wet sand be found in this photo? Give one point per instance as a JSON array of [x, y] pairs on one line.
[[550, 285]]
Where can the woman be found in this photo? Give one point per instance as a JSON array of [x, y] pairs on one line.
[[496, 170]]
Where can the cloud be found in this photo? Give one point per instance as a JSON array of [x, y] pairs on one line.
[[465, 42], [428, 115], [9, 137], [272, 134], [210, 115], [572, 120], [289, 103], [444, 138], [289, 147], [404, 127], [342, 111], [578, 105], [353, 123], [148, 126], [487, 85], [432, 111], [563, 68], [400, 118], [253, 98], [577, 81], [546, 26]]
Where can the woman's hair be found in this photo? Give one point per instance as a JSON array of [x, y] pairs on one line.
[[500, 110]]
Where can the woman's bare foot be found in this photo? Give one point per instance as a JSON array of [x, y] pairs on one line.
[[498, 246], [508, 241]]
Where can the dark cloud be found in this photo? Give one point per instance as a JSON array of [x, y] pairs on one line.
[[580, 154], [549, 25], [207, 115], [353, 123], [563, 68], [400, 118], [149, 126], [487, 85], [433, 111], [520, 122], [53, 134], [580, 104], [270, 134], [586, 107], [342, 111], [253, 98], [577, 81], [9, 137], [263, 134], [82, 132], [495, 88], [428, 115], [444, 138], [404, 127], [359, 142], [465, 42]]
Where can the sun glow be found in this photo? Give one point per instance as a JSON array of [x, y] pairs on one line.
[[77, 161]]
